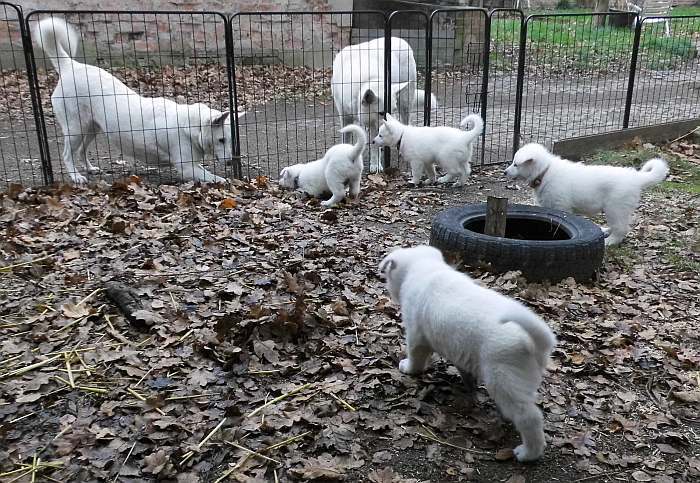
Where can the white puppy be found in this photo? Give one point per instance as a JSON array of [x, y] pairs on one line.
[[482, 332], [588, 190], [423, 146], [357, 85], [341, 165], [88, 100]]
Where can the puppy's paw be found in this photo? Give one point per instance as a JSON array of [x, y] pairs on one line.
[[406, 367], [93, 169], [605, 230], [444, 179], [523, 454], [327, 203], [78, 179]]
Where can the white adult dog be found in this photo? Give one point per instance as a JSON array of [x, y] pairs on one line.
[[423, 146], [588, 190], [357, 85], [88, 100], [483, 333], [340, 166]]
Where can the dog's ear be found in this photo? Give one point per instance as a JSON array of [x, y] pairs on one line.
[[219, 119], [389, 117], [386, 266], [369, 97], [525, 162]]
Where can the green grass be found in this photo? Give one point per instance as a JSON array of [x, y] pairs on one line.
[[564, 43], [635, 157]]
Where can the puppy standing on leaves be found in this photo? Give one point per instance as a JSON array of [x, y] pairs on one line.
[[341, 165], [584, 189], [483, 333]]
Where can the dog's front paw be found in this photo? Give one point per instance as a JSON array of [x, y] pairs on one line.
[[605, 230], [523, 454], [78, 179], [328, 203], [406, 367], [444, 179], [94, 169]]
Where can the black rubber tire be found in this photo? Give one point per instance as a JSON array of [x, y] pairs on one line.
[[580, 256]]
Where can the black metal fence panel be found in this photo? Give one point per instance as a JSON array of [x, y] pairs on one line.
[[459, 55], [122, 120], [283, 64], [666, 78], [574, 76], [504, 55], [20, 145]]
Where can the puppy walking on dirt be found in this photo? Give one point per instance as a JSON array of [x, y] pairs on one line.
[[483, 333], [88, 100], [340, 166], [584, 189], [424, 146]]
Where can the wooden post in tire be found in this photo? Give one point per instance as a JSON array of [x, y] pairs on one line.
[[496, 209]]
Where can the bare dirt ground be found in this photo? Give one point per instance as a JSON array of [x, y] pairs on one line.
[[267, 348]]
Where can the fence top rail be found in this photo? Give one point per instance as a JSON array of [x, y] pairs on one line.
[[396, 13], [299, 12], [511, 10], [125, 12], [17, 8], [579, 14], [668, 17]]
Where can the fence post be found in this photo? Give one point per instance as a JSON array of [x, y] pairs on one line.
[[35, 96], [386, 161], [485, 80], [428, 86], [233, 99], [519, 85], [633, 72]]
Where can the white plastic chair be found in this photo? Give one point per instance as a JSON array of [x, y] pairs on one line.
[[652, 8]]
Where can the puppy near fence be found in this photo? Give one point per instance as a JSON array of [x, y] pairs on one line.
[[88, 100]]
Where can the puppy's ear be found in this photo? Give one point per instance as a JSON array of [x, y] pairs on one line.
[[369, 97], [386, 266], [525, 162], [219, 119], [389, 117]]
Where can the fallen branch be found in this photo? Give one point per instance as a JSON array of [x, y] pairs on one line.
[[279, 398]]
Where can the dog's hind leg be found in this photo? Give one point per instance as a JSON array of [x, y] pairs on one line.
[[355, 186], [338, 190], [619, 222], [89, 134]]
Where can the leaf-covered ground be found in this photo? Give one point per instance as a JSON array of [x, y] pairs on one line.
[[267, 349]]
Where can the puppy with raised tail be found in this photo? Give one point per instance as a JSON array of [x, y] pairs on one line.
[[483, 333], [340, 166], [586, 189], [425, 146]]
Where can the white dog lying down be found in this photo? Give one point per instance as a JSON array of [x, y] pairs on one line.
[[423, 146], [357, 85], [482, 332], [587, 190], [88, 100], [341, 165]]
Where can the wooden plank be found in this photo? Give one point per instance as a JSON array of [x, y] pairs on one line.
[[496, 209], [576, 148]]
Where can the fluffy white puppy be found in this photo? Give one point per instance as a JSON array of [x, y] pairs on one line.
[[423, 146], [341, 165], [482, 332], [586, 189]]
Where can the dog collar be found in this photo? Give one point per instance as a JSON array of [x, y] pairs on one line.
[[535, 183]]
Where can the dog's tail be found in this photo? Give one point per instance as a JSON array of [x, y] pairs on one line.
[[58, 40], [477, 126], [653, 172], [360, 139], [539, 332], [420, 100]]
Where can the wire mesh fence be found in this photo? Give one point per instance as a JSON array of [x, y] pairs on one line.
[[665, 82], [165, 79], [143, 93], [574, 75], [20, 144]]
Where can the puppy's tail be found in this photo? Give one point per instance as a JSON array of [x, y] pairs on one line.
[[360, 139], [477, 126], [653, 172], [539, 332], [58, 40]]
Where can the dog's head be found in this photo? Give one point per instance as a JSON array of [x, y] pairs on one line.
[[288, 177], [216, 136], [395, 265], [372, 100], [389, 132], [528, 162]]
